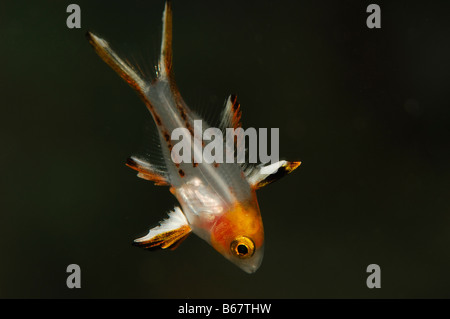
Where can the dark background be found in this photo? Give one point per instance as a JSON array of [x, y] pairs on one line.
[[365, 110]]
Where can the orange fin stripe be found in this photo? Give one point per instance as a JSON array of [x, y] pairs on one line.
[[165, 63], [170, 239], [121, 67], [236, 112], [231, 114], [147, 173]]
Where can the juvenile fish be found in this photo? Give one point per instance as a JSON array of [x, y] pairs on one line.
[[217, 200]]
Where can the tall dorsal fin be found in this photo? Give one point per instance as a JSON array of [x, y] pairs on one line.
[[231, 114], [165, 60]]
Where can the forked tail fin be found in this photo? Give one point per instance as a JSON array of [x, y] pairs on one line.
[[129, 73], [124, 69], [165, 59]]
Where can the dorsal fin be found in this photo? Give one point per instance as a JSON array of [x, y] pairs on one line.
[[165, 60], [148, 171], [231, 114]]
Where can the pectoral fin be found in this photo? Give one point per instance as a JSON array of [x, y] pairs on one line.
[[169, 234], [260, 176]]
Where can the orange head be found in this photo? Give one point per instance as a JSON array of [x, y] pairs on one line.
[[239, 236]]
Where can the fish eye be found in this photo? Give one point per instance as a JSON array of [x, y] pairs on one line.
[[242, 247]]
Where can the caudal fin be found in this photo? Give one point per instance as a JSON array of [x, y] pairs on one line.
[[165, 59], [124, 69], [131, 74]]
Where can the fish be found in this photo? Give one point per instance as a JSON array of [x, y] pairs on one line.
[[217, 201]]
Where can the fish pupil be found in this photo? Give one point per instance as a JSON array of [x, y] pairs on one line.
[[242, 249]]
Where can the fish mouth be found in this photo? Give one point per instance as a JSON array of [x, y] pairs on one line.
[[251, 269], [251, 265]]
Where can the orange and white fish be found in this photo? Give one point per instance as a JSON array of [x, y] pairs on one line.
[[218, 201]]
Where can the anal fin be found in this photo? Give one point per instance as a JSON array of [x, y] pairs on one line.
[[148, 171], [261, 176], [169, 234]]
